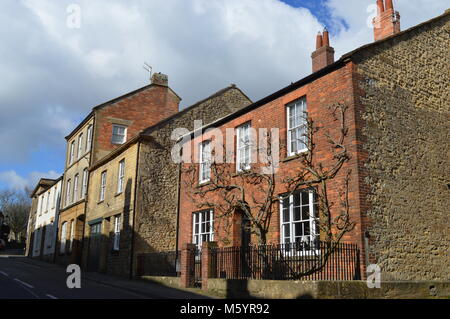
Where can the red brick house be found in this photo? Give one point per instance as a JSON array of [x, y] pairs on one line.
[[393, 90]]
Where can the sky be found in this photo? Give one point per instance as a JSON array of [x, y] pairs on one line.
[[59, 58]]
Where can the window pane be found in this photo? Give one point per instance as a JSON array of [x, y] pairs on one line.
[[305, 212], [296, 213], [287, 231], [298, 231], [305, 198]]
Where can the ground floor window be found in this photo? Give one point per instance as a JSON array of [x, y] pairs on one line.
[[299, 218], [117, 225], [63, 237], [202, 227]]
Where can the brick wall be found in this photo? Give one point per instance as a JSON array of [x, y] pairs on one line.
[[138, 111], [335, 87]]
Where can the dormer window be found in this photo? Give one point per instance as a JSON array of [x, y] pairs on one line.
[[119, 134]]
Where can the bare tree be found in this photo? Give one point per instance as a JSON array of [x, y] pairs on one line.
[[250, 192], [15, 205]]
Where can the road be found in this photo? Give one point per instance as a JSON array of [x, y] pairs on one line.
[[22, 278]]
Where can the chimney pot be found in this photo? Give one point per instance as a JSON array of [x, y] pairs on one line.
[[326, 38], [160, 79], [387, 22], [389, 5], [319, 41]]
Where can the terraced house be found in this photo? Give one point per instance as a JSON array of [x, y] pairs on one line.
[[133, 191], [105, 129], [46, 220], [363, 147]]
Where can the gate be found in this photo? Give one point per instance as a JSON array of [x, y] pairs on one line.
[[198, 267]]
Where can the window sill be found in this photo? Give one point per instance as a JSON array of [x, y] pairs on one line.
[[294, 157], [204, 183], [100, 202], [118, 194], [242, 172]]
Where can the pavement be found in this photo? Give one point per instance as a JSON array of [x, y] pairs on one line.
[[26, 278]]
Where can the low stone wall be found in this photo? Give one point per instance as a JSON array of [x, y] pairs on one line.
[[173, 282], [272, 289]]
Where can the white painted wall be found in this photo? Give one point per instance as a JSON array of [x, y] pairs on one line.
[[47, 210]]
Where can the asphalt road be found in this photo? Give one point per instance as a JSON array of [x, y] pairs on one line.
[[23, 280]]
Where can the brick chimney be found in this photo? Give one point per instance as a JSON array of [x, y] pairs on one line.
[[324, 54], [160, 79], [387, 21]]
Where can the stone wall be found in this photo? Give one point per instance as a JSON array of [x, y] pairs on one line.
[[275, 289], [156, 216], [405, 112]]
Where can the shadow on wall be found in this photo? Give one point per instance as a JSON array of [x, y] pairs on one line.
[[239, 289]]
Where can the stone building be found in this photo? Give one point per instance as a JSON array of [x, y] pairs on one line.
[[42, 185], [133, 191], [46, 221], [105, 129], [397, 120]]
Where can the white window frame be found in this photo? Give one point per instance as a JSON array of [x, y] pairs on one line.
[[89, 138], [114, 139], [102, 186], [80, 146], [84, 185], [199, 218], [243, 148], [72, 152], [62, 248], [55, 193], [121, 176], [75, 188], [205, 161], [313, 220], [72, 235], [48, 202], [117, 226], [68, 185], [297, 106]]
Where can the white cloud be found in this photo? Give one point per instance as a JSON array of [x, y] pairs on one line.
[[52, 75], [12, 180]]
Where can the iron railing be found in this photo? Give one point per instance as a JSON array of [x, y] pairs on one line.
[[159, 264], [294, 261]]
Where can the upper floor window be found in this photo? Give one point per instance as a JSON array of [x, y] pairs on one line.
[[89, 138], [48, 201], [55, 196], [72, 152], [203, 228], [68, 193], [243, 147], [205, 161], [117, 222], [297, 127], [121, 176], [299, 218], [75, 188], [84, 186], [102, 186], [80, 145], [119, 134]]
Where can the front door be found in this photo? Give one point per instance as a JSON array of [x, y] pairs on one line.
[[94, 247]]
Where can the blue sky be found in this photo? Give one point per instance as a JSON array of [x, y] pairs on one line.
[[53, 74]]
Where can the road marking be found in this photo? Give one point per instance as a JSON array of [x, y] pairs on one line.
[[4, 273], [51, 297], [24, 283]]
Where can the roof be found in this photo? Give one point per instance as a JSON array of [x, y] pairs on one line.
[[95, 108], [45, 183], [144, 134], [314, 76]]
